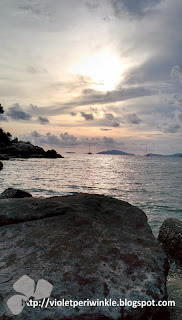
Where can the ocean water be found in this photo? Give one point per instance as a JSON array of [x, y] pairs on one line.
[[150, 183]]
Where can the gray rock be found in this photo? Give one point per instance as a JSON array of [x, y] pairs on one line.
[[1, 165], [14, 193], [170, 235], [87, 247]]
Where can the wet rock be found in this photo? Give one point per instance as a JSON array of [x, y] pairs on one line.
[[170, 235], [14, 193], [88, 247]]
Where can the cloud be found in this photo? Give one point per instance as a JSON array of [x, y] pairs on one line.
[[108, 140], [136, 8], [110, 120], [115, 124], [43, 120], [33, 107], [16, 112], [3, 118], [175, 72], [180, 116], [35, 134], [73, 114], [33, 70], [173, 128], [132, 118], [68, 140], [87, 116], [122, 94], [92, 4]]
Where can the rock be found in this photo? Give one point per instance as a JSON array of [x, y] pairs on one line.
[[1, 165], [14, 193], [52, 154], [170, 235], [86, 246], [21, 149]]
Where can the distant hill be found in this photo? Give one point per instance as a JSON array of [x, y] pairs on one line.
[[155, 155], [70, 152], [168, 155], [176, 155], [116, 152]]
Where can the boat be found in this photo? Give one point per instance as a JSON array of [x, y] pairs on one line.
[[89, 150], [147, 154]]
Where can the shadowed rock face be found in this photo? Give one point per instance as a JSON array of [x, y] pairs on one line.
[[170, 235], [1, 165], [14, 193], [88, 247]]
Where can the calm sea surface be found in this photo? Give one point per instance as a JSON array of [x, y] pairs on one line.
[[151, 183]]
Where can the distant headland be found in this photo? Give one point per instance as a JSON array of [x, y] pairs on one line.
[[116, 152], [12, 148]]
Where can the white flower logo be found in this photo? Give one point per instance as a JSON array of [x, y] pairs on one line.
[[26, 286]]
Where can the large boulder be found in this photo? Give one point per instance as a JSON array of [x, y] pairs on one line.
[[1, 165], [86, 246], [14, 193], [170, 235]]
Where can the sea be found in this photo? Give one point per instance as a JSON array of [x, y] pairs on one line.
[[154, 184]]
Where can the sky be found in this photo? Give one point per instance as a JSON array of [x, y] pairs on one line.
[[87, 72]]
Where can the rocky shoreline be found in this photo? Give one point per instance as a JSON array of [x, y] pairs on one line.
[[21, 149]]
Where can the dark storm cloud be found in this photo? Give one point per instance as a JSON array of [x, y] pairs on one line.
[[43, 120], [16, 112], [87, 116]]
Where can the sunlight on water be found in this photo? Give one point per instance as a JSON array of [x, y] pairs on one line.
[[151, 183]]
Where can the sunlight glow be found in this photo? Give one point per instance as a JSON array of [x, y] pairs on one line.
[[103, 68]]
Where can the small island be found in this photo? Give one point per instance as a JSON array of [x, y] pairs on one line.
[[116, 152]]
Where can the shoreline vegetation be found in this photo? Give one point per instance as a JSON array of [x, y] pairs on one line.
[[13, 148]]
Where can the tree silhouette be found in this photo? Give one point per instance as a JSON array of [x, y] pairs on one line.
[[1, 109], [5, 138]]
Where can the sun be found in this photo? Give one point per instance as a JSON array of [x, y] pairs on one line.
[[103, 68]]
